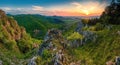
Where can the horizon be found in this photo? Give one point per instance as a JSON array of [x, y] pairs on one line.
[[55, 8]]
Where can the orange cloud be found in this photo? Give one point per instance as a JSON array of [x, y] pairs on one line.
[[78, 9], [89, 8]]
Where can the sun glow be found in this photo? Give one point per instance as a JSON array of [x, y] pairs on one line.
[[89, 8], [86, 12]]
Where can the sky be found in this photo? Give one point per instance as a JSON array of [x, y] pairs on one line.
[[55, 7]]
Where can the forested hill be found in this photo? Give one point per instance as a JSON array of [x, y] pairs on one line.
[[37, 25]]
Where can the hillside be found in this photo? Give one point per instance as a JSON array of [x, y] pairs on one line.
[[37, 25], [14, 41], [101, 42]]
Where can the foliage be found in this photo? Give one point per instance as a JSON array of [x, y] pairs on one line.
[[75, 36], [25, 45], [46, 54], [111, 14]]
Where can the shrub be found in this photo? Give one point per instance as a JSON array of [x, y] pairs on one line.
[[75, 36], [24, 45], [46, 54], [11, 45], [99, 26]]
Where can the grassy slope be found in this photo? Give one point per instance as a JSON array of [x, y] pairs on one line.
[[106, 48]]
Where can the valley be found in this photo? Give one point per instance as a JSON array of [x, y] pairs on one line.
[[31, 39]]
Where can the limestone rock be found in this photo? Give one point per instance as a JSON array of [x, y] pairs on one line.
[[32, 61], [1, 63], [117, 61]]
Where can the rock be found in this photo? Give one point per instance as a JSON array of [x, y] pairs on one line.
[[72, 63], [1, 63], [117, 61], [56, 44], [51, 35], [58, 58], [110, 63], [32, 61], [88, 35], [118, 32], [79, 27], [76, 63], [2, 13]]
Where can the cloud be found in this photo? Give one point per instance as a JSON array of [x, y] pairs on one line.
[[37, 8], [6, 8], [76, 4], [89, 8], [71, 9], [23, 10]]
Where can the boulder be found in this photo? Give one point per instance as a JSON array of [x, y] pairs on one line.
[[1, 63], [118, 32], [117, 61], [32, 61]]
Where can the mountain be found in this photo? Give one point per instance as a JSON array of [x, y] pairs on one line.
[[15, 43]]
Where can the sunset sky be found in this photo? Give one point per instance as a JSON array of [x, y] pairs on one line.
[[55, 7]]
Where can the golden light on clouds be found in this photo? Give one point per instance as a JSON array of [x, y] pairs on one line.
[[93, 8], [86, 12], [89, 8], [78, 9]]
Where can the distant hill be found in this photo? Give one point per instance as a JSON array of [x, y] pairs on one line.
[[37, 25]]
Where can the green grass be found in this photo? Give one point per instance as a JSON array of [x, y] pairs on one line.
[[105, 48]]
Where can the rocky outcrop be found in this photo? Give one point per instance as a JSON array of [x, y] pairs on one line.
[[12, 38], [79, 27], [88, 35], [59, 58], [55, 43]]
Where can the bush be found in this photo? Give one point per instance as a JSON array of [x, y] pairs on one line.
[[75, 36], [46, 54], [24, 45], [11, 45], [99, 26]]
